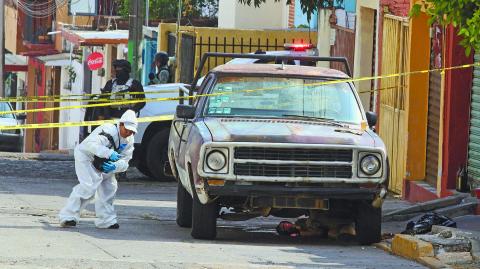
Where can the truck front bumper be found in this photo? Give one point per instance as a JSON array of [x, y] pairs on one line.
[[304, 192]]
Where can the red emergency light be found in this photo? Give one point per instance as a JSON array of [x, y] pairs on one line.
[[298, 46]]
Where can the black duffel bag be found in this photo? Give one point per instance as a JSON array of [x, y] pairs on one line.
[[97, 161]]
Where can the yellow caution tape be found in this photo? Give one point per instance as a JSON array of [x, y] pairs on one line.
[[322, 83], [58, 98], [81, 123]]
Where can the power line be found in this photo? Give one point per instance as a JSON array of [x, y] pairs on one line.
[[36, 9]]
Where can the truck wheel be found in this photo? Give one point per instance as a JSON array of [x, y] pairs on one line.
[[204, 220], [157, 155], [368, 224], [184, 207], [144, 170]]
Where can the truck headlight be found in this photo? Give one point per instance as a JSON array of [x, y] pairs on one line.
[[370, 165], [216, 160]]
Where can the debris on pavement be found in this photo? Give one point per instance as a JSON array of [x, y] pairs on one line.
[[425, 223], [442, 247], [452, 206]]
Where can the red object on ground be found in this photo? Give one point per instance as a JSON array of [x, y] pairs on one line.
[[477, 193], [95, 61]]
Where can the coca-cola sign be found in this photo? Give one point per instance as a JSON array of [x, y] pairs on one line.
[[95, 61]]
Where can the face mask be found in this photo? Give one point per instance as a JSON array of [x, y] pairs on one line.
[[122, 76]]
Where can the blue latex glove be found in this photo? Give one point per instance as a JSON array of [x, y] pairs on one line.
[[122, 147], [115, 156], [109, 167]]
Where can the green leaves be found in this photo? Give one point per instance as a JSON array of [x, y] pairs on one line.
[[167, 9], [462, 14]]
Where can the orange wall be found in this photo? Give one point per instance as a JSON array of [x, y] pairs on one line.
[[417, 101]]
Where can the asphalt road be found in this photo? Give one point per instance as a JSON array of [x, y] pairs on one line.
[[32, 192]]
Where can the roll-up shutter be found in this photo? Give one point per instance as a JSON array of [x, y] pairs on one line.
[[474, 144]]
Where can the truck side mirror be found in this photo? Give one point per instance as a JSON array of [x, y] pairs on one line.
[[371, 118], [185, 111]]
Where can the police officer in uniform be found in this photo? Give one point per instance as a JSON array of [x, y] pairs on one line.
[[163, 71], [121, 88]]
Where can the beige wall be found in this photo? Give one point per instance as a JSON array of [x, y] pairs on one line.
[[232, 14], [363, 64], [324, 35], [11, 37]]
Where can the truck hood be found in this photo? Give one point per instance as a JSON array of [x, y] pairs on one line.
[[284, 131]]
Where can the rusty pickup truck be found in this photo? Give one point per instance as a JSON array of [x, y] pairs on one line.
[[280, 140]]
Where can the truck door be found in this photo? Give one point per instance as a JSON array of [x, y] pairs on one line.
[[183, 128]]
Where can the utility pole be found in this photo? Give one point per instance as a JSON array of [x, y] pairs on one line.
[[147, 11], [135, 35], [2, 47]]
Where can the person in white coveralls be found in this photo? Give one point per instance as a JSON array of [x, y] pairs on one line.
[[105, 152]]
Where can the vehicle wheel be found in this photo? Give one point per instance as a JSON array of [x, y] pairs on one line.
[[144, 169], [368, 224], [157, 155], [184, 207], [204, 220]]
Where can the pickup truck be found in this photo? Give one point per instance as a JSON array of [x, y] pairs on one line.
[[280, 140]]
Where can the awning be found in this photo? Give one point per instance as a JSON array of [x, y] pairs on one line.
[[15, 63], [95, 38], [62, 59]]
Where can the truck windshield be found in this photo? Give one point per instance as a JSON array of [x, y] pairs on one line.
[[5, 107], [283, 98]]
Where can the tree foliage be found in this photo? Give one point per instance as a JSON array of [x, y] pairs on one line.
[[308, 7], [167, 9], [462, 14]]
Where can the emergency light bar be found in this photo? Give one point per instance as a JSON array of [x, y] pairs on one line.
[[297, 46]]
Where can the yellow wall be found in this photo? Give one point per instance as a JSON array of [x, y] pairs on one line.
[[417, 98]]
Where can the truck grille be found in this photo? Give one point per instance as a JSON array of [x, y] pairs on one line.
[[294, 154], [295, 170]]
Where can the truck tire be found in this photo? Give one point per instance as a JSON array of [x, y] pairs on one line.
[[144, 170], [184, 207], [368, 223], [204, 220], [157, 155]]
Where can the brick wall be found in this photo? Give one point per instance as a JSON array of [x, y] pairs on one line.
[[396, 7]]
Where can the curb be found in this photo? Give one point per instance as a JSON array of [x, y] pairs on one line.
[[37, 156], [409, 247], [383, 246]]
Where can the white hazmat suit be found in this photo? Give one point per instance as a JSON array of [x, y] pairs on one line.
[[93, 182]]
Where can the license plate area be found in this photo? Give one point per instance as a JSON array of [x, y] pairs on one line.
[[290, 202]]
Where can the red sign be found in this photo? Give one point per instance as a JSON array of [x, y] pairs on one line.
[[95, 61]]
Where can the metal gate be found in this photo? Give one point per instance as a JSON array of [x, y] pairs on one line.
[[474, 144], [207, 39], [187, 59], [344, 47], [392, 125], [434, 96]]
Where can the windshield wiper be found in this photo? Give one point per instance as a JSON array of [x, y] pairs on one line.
[[325, 120]]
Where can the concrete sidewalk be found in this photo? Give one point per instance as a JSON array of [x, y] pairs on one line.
[[43, 156]]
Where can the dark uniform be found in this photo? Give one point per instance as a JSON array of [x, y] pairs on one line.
[[120, 89], [161, 63]]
